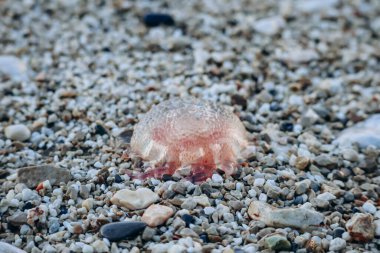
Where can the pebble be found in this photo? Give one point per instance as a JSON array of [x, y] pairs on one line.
[[259, 182], [156, 215], [327, 196], [277, 243], [117, 231], [33, 175], [134, 200], [17, 219], [100, 246], [364, 133], [303, 186], [269, 26], [13, 67], [189, 204], [8, 248], [88, 204], [302, 162], [17, 132], [188, 219], [377, 225], [156, 19], [368, 207], [284, 217], [361, 227], [216, 178], [209, 210], [337, 244]]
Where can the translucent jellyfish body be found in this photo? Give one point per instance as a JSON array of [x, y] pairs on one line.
[[189, 133]]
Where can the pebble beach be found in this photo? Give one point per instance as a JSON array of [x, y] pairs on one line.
[[302, 76]]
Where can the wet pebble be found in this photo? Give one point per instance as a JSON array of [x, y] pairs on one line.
[[117, 231]]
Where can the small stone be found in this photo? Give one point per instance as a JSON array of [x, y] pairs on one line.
[[350, 155], [285, 217], [157, 215], [338, 232], [286, 126], [259, 182], [303, 186], [180, 188], [156, 19], [88, 204], [32, 176], [302, 162], [361, 227], [337, 244], [188, 219], [187, 232], [17, 132], [377, 225], [365, 133], [100, 246], [134, 200], [8, 248], [13, 67], [269, 26], [327, 196], [18, 219], [326, 160], [87, 249], [202, 200], [122, 230], [369, 207], [189, 204], [277, 243], [216, 178], [209, 210], [148, 233]]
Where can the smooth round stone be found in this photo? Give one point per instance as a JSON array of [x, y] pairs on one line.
[[122, 230], [17, 132]]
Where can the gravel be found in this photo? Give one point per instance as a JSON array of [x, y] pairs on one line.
[[76, 77]]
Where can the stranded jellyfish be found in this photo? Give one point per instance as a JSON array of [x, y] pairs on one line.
[[191, 133]]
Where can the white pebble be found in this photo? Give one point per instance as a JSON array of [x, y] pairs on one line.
[[263, 197], [369, 207], [337, 244], [259, 182], [209, 210], [216, 178], [17, 132]]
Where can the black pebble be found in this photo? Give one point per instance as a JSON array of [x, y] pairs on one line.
[[63, 210], [117, 231], [167, 177], [188, 219], [349, 197], [27, 206], [156, 19], [100, 130], [204, 237], [118, 179], [286, 126], [338, 232]]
